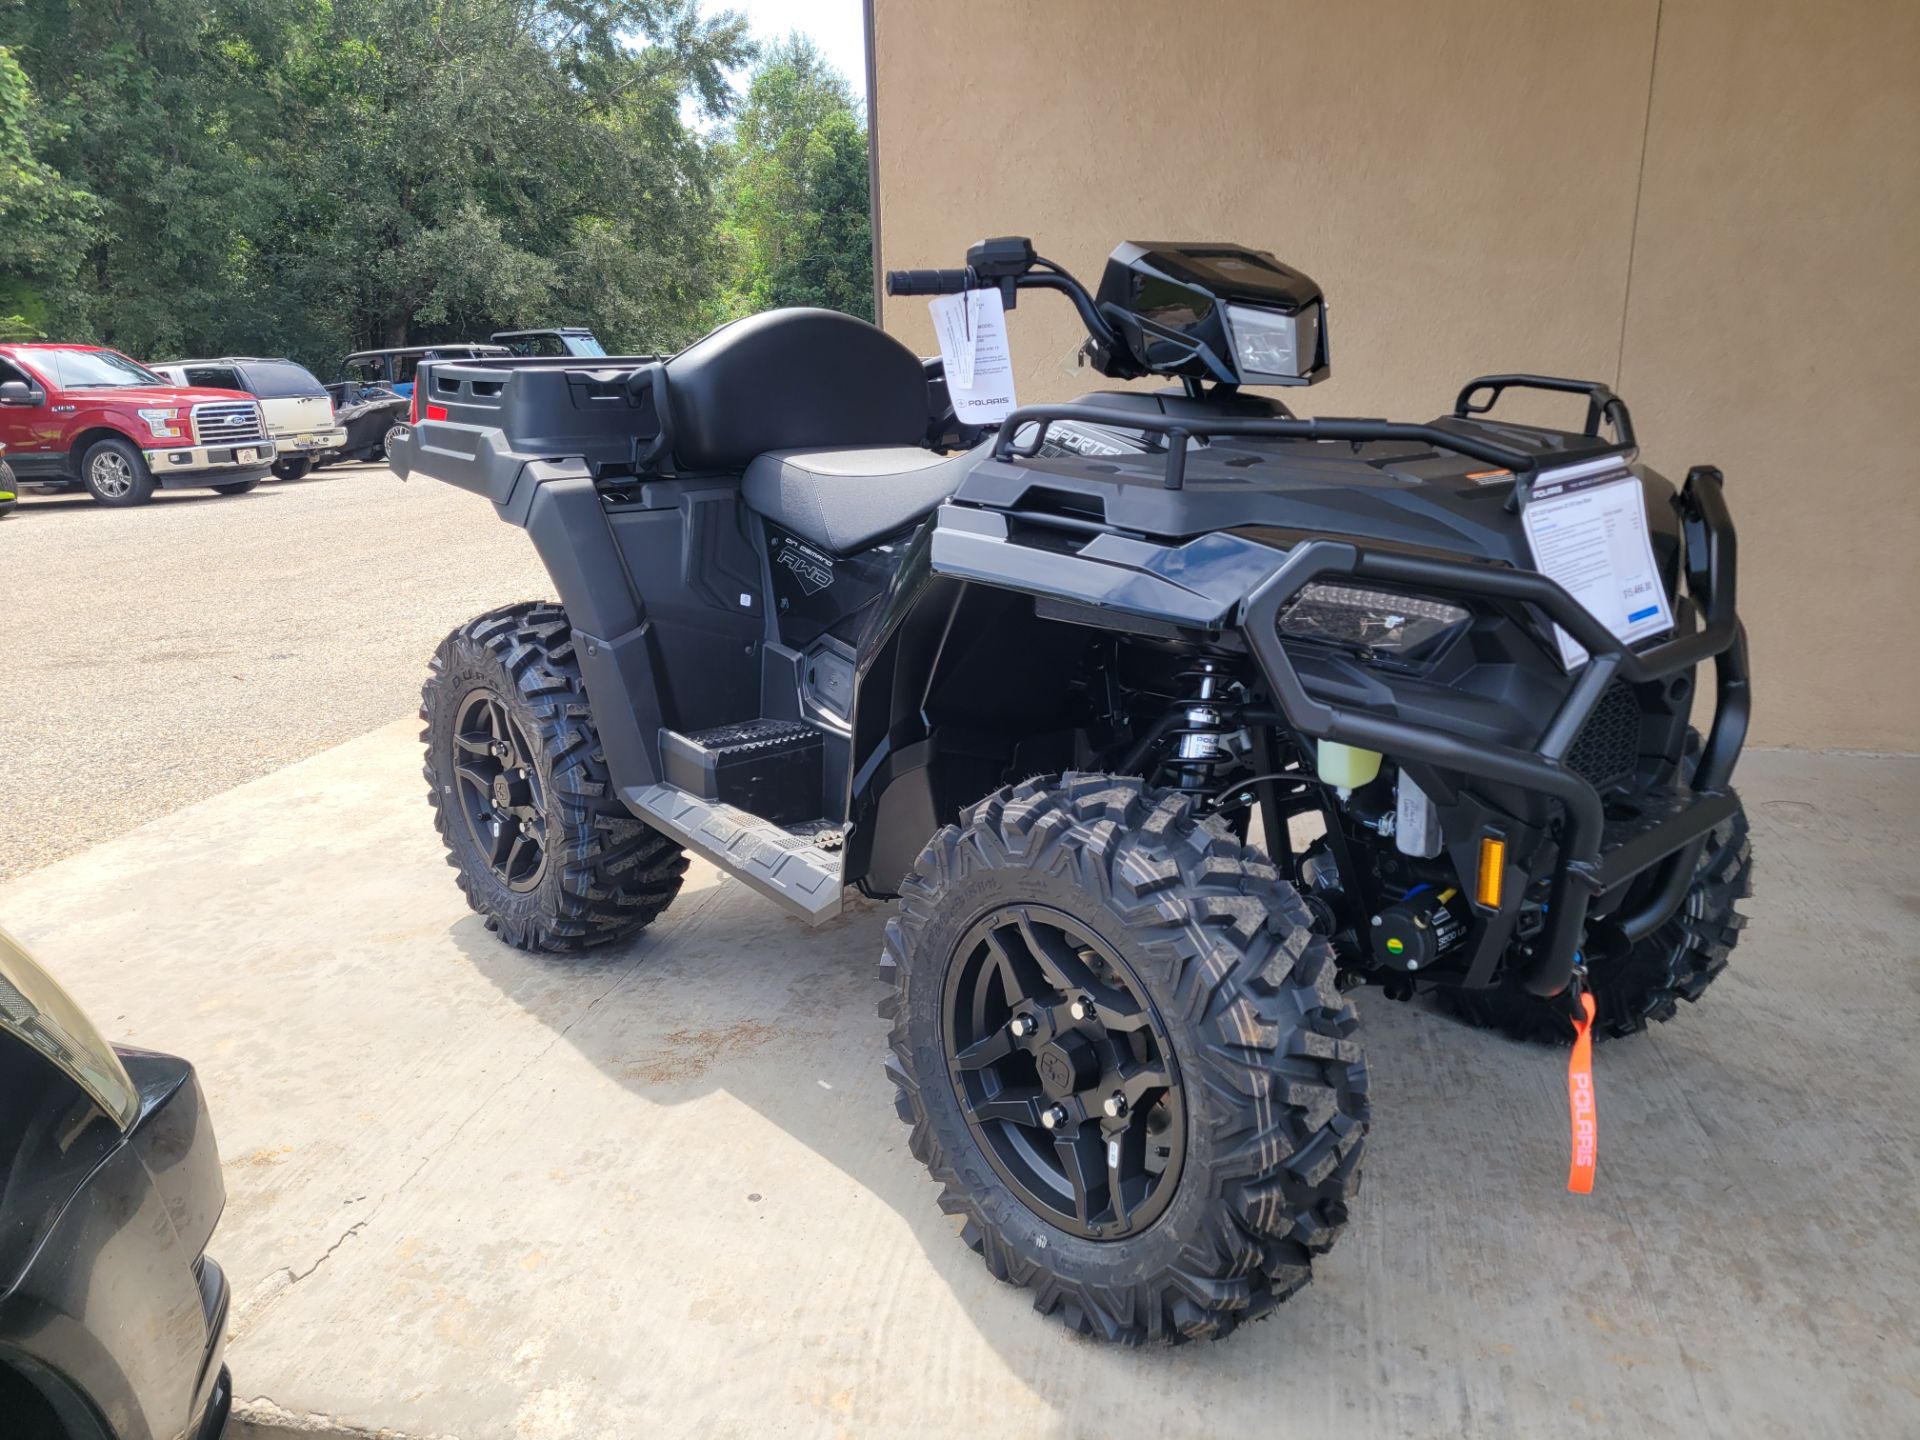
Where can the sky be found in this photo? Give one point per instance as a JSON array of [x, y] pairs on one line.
[[836, 27]]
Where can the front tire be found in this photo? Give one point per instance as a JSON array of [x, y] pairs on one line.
[[395, 434], [115, 473], [1162, 1154], [521, 795]]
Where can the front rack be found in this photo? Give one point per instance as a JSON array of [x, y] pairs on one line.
[[1602, 404]]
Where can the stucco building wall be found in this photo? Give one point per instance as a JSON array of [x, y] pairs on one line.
[[1714, 204]]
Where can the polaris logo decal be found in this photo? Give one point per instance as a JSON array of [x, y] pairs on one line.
[[813, 570]]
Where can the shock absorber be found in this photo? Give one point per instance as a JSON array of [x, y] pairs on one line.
[[1203, 738]]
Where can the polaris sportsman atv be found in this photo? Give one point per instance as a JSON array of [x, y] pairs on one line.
[[1040, 683]]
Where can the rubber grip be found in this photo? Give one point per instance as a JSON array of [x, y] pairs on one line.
[[927, 282]]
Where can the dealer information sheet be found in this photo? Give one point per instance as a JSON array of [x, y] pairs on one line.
[[1587, 528], [972, 330]]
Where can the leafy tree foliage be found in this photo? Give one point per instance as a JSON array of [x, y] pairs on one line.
[[308, 177], [44, 220], [797, 203]]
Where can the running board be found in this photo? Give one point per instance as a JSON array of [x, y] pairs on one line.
[[784, 867]]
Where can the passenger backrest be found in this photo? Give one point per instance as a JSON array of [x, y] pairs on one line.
[[793, 380]]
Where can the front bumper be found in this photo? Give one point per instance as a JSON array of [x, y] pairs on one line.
[[173, 464], [311, 442], [1595, 858]]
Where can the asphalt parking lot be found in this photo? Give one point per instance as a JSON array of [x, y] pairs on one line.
[[163, 654]]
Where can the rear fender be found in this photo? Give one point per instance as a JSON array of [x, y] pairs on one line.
[[562, 514]]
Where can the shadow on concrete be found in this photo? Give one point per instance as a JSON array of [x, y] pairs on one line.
[[728, 995]]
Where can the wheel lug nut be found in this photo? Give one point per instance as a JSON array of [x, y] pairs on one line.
[[1115, 1106], [1022, 1026], [1081, 1008], [1053, 1117]]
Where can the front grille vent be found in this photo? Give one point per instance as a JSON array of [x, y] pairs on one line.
[[227, 422], [1608, 746]]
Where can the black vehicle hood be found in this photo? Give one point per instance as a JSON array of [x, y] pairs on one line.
[[1279, 491]]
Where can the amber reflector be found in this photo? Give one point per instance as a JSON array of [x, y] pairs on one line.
[[1493, 867]]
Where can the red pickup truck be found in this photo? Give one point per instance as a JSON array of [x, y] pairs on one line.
[[81, 415]]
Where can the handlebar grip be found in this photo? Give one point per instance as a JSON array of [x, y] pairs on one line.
[[928, 282]]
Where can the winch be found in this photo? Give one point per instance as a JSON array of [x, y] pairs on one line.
[[1419, 927]]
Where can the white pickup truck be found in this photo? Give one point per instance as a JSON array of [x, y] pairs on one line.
[[298, 410]]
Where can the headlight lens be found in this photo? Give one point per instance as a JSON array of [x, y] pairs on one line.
[[1376, 621], [1270, 345], [35, 1008], [165, 424]]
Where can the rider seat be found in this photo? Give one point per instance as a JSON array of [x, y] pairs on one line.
[[845, 500], [826, 415]]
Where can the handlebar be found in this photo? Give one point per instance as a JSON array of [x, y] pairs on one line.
[[1007, 264], [929, 282]]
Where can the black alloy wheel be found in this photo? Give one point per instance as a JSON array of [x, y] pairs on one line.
[[499, 791], [511, 743], [1064, 1072], [1123, 1055]]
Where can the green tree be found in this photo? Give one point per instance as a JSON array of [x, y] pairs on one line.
[[474, 164], [308, 176], [797, 200], [45, 222], [312, 176]]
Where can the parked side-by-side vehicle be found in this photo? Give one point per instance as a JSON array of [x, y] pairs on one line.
[[298, 411], [562, 340], [394, 368], [87, 416], [1065, 688]]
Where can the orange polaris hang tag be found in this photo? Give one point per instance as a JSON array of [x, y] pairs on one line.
[[1586, 1121]]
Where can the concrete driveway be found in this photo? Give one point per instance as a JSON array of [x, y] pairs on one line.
[[661, 1192]]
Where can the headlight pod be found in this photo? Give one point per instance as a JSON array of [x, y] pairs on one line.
[[1273, 346], [34, 1008], [1378, 622], [164, 424]]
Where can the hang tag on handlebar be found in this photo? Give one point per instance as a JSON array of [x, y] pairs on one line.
[[972, 330], [953, 327]]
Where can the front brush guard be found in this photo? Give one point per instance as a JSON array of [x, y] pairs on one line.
[[1584, 871]]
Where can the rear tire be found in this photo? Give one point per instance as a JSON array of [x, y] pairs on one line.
[[115, 473], [1198, 960], [292, 469], [1646, 985], [238, 487], [521, 795], [395, 433]]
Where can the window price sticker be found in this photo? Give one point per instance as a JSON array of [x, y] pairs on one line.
[[1587, 528]]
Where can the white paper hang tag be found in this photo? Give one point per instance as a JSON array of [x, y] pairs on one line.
[[953, 327], [1587, 528], [972, 330]]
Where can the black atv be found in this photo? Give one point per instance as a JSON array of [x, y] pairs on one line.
[[1168, 719]]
